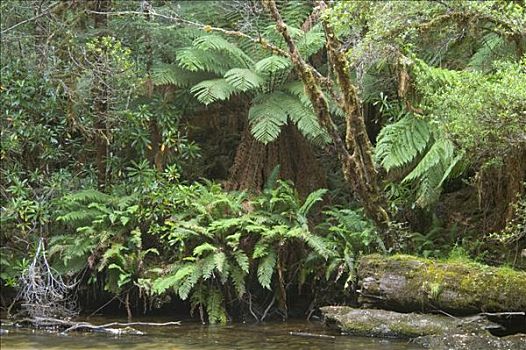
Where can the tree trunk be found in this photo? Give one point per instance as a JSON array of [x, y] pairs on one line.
[[155, 155], [254, 162], [100, 104], [408, 283]]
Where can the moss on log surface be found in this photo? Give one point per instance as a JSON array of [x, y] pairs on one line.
[[409, 283], [385, 324]]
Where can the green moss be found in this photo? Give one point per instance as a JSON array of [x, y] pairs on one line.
[[456, 284]]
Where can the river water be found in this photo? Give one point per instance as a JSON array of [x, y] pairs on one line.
[[194, 336]]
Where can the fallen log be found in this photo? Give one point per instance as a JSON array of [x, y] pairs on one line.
[[407, 283]]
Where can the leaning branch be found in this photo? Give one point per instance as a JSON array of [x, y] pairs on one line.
[[43, 13], [207, 28]]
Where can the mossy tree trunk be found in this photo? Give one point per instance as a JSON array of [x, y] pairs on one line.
[[355, 151], [100, 102]]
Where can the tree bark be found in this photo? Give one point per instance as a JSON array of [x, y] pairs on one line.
[[155, 155], [255, 161], [100, 104]]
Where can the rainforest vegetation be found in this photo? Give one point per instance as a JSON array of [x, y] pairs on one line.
[[235, 158]]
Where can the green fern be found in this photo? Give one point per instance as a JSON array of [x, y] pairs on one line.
[[400, 143], [266, 269], [170, 74], [209, 91], [272, 65], [412, 144], [243, 79], [267, 116]]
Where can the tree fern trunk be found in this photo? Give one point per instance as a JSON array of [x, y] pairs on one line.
[[254, 162]]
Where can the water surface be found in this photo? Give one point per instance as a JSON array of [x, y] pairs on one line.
[[194, 336]]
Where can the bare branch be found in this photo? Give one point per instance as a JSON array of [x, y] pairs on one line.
[[43, 13]]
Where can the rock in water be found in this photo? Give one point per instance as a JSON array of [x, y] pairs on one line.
[[385, 324]]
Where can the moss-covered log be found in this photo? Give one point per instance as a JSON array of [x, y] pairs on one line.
[[408, 283]]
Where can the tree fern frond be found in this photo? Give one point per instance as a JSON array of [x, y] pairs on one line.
[[311, 42], [295, 12], [400, 143], [439, 153], [170, 74], [195, 60], [243, 79], [494, 47], [215, 42], [209, 91], [272, 65], [266, 117]]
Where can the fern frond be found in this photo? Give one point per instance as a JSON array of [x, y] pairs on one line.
[[311, 42], [243, 79], [202, 248], [266, 269], [312, 199], [401, 143], [214, 307], [209, 91], [170, 74], [295, 12], [242, 261], [441, 151], [87, 196], [272, 65], [266, 117], [215, 42], [238, 278], [195, 60]]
